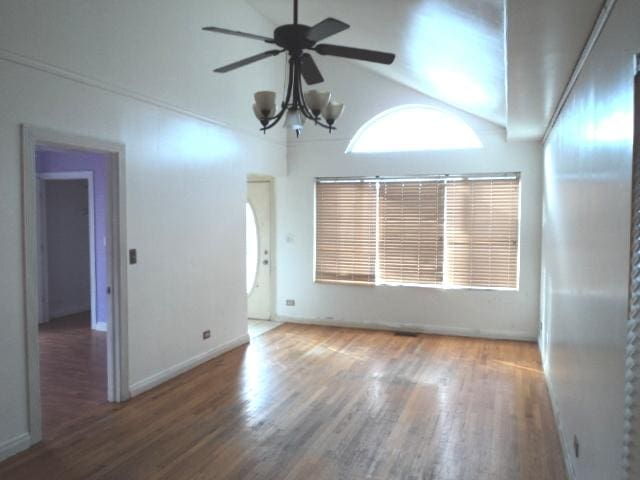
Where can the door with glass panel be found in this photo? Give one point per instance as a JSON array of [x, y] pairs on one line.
[[258, 213]]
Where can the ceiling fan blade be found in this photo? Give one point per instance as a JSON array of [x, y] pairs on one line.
[[326, 28], [238, 34], [247, 61], [310, 70], [355, 53]]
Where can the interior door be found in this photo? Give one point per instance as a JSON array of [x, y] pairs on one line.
[[259, 250]]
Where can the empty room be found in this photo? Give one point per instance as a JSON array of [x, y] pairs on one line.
[[304, 239]]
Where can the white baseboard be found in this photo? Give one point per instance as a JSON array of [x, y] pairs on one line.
[[63, 312], [428, 329], [564, 441], [154, 380], [100, 327], [14, 445]]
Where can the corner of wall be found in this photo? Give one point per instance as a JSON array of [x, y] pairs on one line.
[[564, 442]]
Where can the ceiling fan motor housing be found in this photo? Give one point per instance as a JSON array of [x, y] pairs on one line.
[[293, 38]]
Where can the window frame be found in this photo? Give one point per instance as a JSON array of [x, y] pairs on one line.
[[444, 286]]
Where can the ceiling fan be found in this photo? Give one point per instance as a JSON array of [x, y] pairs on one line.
[[295, 39]]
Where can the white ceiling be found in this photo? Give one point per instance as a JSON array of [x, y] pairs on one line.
[[544, 41], [454, 50]]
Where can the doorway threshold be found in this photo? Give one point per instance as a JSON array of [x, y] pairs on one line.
[[258, 327]]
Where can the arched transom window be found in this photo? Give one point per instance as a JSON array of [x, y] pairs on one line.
[[413, 128]]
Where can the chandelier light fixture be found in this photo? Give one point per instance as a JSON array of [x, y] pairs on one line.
[[297, 105]]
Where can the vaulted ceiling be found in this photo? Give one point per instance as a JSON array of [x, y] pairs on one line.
[[504, 63], [544, 40]]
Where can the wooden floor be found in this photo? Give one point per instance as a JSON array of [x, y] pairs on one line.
[[258, 327], [73, 371], [304, 402]]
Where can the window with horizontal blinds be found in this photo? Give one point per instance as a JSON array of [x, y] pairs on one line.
[[346, 232], [481, 231], [448, 231], [411, 222]]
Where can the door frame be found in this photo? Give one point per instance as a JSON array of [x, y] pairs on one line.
[[117, 331], [44, 254]]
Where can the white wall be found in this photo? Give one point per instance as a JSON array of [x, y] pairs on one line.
[[467, 312], [185, 174], [585, 260], [68, 266]]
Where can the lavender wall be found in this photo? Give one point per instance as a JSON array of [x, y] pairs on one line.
[[48, 161]]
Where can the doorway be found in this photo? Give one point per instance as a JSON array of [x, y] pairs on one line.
[[75, 278], [259, 256], [73, 236], [258, 211], [71, 239]]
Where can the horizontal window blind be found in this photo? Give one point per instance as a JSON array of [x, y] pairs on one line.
[[482, 233], [346, 232], [449, 231], [411, 222]]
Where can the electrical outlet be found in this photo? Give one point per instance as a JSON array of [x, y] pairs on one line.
[[576, 446], [291, 302], [206, 334], [133, 256]]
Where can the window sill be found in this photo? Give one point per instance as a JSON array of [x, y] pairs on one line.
[[345, 282], [449, 288], [419, 285]]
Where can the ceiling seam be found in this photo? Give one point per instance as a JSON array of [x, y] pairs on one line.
[[598, 27], [505, 49]]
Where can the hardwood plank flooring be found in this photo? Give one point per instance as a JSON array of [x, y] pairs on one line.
[[73, 371], [306, 402]]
